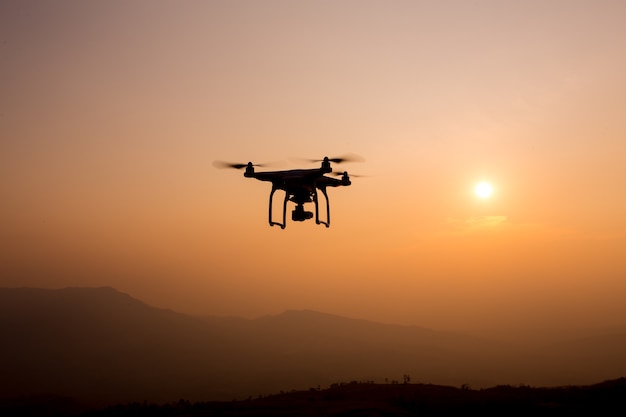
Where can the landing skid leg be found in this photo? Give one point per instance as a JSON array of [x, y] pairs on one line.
[[317, 212], [273, 223]]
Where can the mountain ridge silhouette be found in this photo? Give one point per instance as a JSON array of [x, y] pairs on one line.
[[104, 346]]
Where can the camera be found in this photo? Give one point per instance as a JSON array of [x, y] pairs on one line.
[[299, 215]]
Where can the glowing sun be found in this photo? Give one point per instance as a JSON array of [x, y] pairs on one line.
[[483, 190]]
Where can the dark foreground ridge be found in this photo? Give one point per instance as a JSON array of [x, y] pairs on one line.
[[370, 399]]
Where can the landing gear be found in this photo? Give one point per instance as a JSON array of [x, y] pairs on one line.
[[299, 214]]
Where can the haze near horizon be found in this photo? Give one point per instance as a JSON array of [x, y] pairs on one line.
[[111, 114]]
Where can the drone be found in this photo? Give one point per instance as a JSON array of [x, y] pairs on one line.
[[300, 186]]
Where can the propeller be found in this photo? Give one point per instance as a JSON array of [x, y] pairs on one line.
[[224, 164], [340, 174], [351, 157]]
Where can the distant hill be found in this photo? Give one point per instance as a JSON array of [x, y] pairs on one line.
[[101, 346]]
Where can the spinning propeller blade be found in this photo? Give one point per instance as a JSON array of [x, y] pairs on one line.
[[224, 164], [351, 157], [340, 173]]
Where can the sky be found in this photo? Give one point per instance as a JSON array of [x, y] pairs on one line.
[[112, 113]]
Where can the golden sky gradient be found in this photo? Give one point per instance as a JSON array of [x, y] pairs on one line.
[[111, 113]]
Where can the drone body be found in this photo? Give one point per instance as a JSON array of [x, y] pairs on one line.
[[300, 186]]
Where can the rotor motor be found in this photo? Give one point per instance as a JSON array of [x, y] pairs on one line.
[[249, 170]]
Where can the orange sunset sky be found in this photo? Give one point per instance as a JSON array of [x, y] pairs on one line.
[[112, 112]]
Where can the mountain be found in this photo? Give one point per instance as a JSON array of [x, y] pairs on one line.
[[101, 346]]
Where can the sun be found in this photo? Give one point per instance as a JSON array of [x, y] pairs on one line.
[[483, 190]]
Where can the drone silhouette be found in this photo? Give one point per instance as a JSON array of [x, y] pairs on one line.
[[300, 186]]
